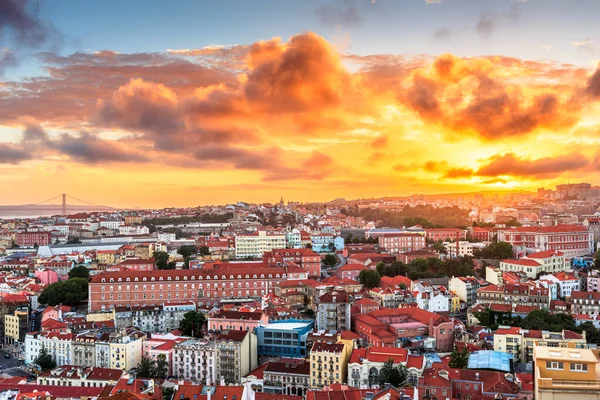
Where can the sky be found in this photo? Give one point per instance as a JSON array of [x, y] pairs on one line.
[[157, 104]]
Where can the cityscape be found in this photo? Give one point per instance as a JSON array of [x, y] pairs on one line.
[[301, 200]]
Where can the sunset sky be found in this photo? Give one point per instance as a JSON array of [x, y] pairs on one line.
[[154, 103]]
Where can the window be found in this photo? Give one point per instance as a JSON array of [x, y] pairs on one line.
[[557, 365], [579, 367]]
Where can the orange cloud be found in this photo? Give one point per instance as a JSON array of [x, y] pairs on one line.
[[511, 165]]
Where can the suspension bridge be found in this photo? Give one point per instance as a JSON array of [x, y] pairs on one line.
[[62, 206]]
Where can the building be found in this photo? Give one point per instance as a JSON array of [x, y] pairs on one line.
[[16, 326], [434, 298], [57, 344], [465, 288], [31, 239], [409, 256], [444, 234], [564, 374], [160, 318], [334, 311], [136, 264], [287, 376], [365, 365], [587, 303], [235, 355], [521, 293], [307, 259], [350, 271], [236, 281], [194, 360], [566, 283], [78, 376], [226, 320], [126, 350], [255, 244], [462, 248], [328, 363], [572, 240], [550, 261], [285, 338], [520, 342], [396, 243]]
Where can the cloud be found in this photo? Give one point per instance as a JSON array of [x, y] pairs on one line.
[[342, 13], [487, 22], [443, 33], [582, 43], [485, 25], [88, 149], [433, 1], [11, 154], [380, 142], [510, 164], [593, 86]]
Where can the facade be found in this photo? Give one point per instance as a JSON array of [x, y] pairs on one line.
[[396, 243], [235, 355], [202, 286], [78, 376], [138, 264], [365, 365], [520, 342], [350, 271], [572, 240], [521, 293], [255, 244], [194, 360], [16, 326], [334, 311], [126, 351], [444, 234], [566, 283], [286, 338], [236, 320], [30, 239], [465, 288], [564, 374], [289, 377], [587, 303], [307, 259], [328, 363], [160, 318]]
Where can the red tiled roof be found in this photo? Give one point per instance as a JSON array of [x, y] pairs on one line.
[[352, 267], [56, 391], [546, 254], [523, 261]]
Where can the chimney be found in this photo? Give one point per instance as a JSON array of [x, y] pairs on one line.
[[477, 376]]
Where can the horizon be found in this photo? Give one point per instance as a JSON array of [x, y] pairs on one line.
[[155, 106]]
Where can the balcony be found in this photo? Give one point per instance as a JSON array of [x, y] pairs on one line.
[[549, 383]]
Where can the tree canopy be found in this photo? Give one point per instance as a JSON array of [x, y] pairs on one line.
[[45, 359], [330, 260], [192, 323], [70, 292], [153, 368], [459, 359], [495, 250], [161, 258], [370, 278], [427, 216], [396, 376], [79, 271]]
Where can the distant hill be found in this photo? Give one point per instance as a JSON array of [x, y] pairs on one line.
[[29, 210]]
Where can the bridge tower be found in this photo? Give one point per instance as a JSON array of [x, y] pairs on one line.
[[64, 204]]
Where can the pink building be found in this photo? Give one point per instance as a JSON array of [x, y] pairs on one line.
[[46, 276], [55, 313], [156, 346], [350, 271], [139, 264], [237, 320]]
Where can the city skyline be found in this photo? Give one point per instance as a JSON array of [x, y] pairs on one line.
[[148, 106]]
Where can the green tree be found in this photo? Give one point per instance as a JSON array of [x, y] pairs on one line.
[[161, 258], [45, 359], [370, 278], [513, 222], [330, 260], [400, 267], [70, 292], [146, 368], [162, 367], [192, 323], [79, 271], [439, 247], [204, 250], [331, 246], [495, 250], [459, 359], [187, 251], [167, 393], [380, 268], [592, 334], [395, 376]]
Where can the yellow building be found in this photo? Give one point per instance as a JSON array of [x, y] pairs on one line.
[[108, 257], [454, 302], [15, 325], [328, 363], [566, 374], [126, 351], [133, 219]]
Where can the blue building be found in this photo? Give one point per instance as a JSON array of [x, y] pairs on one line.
[[285, 338]]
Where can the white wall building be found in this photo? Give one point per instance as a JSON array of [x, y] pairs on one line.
[[255, 244], [194, 360]]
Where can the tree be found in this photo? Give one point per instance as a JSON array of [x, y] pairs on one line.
[[74, 240], [459, 359], [186, 251], [331, 246], [161, 258], [167, 393], [192, 323], [439, 247], [380, 268], [162, 367], [80, 271], [45, 359], [370, 278], [592, 334], [330, 260], [395, 376], [204, 250], [70, 292], [495, 250], [146, 368], [543, 320]]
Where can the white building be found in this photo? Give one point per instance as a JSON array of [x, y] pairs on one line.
[[462, 248], [166, 237], [294, 239], [255, 244], [432, 298], [566, 283], [194, 360], [110, 224], [133, 230], [57, 344], [549, 261], [366, 363]]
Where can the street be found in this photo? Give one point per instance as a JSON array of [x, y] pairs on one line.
[[11, 366]]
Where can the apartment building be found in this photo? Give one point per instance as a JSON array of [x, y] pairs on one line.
[[522, 293], [365, 365], [194, 360], [565, 282], [126, 350], [16, 325], [160, 318], [225, 320], [550, 261], [587, 303], [30, 239], [334, 311], [520, 342], [288, 376], [465, 287], [242, 281], [566, 374], [78, 376], [235, 355], [255, 244], [328, 364], [396, 243], [444, 234], [307, 259], [572, 240], [284, 338]]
